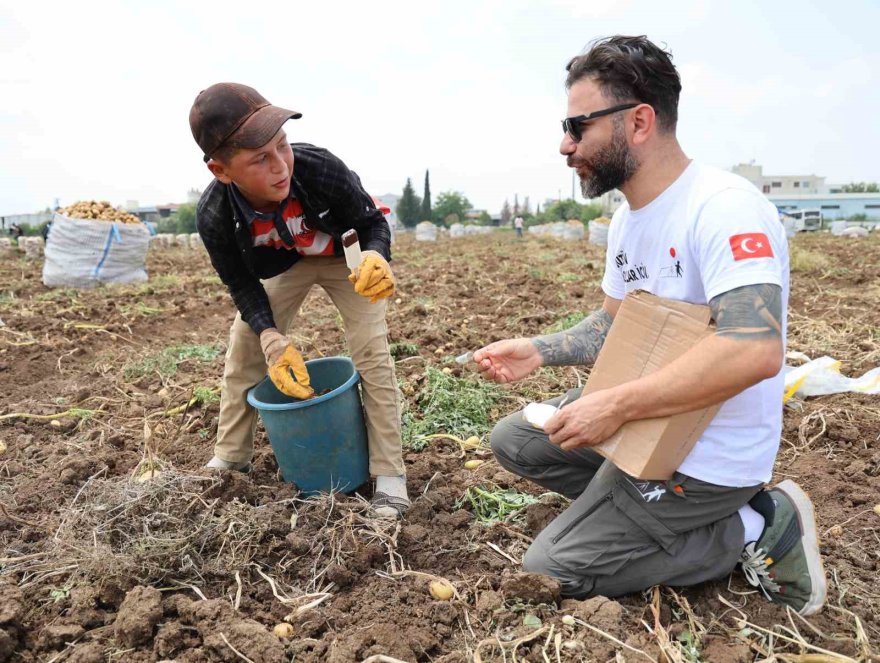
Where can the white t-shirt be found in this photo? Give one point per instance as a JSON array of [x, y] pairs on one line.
[[709, 232]]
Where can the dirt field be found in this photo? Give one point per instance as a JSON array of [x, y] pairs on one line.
[[97, 387]]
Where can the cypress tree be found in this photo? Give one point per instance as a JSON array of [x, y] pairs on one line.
[[426, 200]]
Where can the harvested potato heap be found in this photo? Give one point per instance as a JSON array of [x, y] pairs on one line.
[[103, 211]]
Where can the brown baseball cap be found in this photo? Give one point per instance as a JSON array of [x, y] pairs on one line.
[[234, 115]]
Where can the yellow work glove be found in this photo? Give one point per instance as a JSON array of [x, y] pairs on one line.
[[282, 358], [373, 277]]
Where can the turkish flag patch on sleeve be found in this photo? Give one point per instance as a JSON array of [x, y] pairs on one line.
[[750, 245]]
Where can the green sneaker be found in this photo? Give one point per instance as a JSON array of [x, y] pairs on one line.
[[784, 562]]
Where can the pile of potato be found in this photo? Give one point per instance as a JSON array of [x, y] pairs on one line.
[[100, 211]]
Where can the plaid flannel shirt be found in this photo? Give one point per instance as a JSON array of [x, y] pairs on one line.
[[333, 201]]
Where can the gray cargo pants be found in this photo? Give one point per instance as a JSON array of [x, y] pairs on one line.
[[621, 535]]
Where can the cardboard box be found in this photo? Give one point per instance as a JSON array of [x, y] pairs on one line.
[[648, 333]]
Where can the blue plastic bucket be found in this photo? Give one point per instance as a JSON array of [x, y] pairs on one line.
[[320, 443]]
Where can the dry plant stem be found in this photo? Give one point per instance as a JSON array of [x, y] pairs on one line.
[[513, 645], [800, 643], [317, 598], [237, 653], [42, 417], [518, 535], [502, 553], [613, 639], [806, 423], [381, 658], [22, 558], [848, 520], [237, 591], [861, 636], [463, 445], [195, 589], [21, 521]]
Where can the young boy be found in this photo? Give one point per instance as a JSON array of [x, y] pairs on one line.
[[271, 221]]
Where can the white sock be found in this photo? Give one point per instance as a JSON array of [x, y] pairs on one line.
[[753, 523], [392, 485]]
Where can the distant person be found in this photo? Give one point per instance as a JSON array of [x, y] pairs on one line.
[[621, 535], [518, 225], [45, 231], [271, 221], [15, 231]]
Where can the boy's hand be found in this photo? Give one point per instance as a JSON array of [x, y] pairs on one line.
[[373, 278], [283, 358]]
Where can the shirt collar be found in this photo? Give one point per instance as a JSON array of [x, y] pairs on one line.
[[249, 213]]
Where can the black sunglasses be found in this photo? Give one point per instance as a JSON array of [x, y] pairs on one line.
[[572, 125]]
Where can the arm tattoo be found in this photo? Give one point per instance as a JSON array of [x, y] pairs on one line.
[[750, 312], [576, 346]]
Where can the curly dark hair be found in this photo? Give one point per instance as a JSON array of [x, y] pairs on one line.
[[631, 69]]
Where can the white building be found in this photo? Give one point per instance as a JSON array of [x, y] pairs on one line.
[[780, 185], [610, 201]]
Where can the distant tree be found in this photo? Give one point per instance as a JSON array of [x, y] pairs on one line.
[[485, 218], [562, 210], [426, 199], [515, 204], [506, 215], [168, 225], [185, 218], [861, 187], [448, 203], [409, 206], [538, 209], [525, 207]]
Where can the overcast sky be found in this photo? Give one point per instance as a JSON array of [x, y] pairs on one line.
[[96, 96]]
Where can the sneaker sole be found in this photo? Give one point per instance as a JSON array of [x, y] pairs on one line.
[[244, 470], [810, 541]]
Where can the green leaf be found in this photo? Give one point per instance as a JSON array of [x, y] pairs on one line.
[[532, 621]]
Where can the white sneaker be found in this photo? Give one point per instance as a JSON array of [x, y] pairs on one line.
[[388, 506], [218, 463], [390, 499]]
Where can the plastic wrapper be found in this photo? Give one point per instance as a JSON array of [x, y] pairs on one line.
[[822, 376]]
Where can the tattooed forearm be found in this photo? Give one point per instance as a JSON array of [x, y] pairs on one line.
[[749, 312], [578, 345]]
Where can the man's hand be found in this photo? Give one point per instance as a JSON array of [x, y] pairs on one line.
[[589, 420], [373, 278], [282, 358], [507, 361]]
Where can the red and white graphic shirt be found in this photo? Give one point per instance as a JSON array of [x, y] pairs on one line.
[[307, 241]]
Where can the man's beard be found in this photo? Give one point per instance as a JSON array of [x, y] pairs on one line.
[[611, 166]]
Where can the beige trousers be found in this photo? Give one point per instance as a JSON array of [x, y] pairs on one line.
[[367, 337]]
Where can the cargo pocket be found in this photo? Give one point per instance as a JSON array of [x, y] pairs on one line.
[[634, 509]]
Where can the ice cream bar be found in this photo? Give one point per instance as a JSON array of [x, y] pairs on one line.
[[352, 249]]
